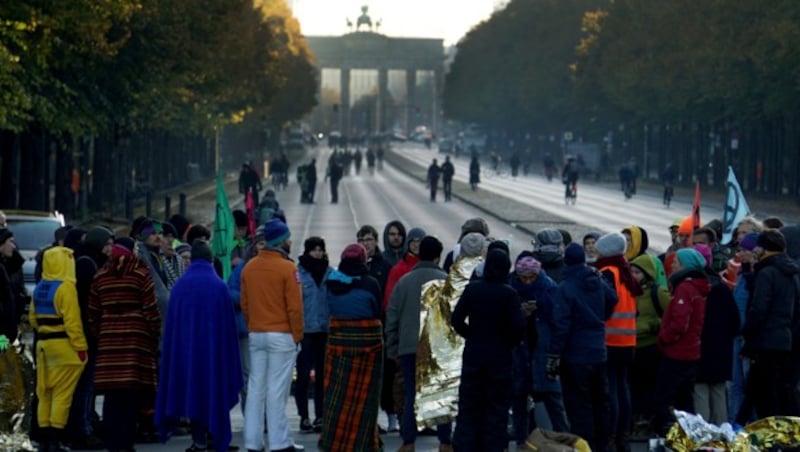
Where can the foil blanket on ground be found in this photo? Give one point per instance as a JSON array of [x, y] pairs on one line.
[[691, 432], [440, 347]]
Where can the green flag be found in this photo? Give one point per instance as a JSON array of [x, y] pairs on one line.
[[221, 242]]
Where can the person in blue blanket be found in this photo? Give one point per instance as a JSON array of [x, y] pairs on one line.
[[200, 374]]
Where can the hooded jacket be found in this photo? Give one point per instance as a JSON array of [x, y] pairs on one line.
[[583, 303], [682, 325], [771, 310], [352, 293], [491, 329], [648, 320], [552, 263], [389, 255], [54, 311], [639, 242]]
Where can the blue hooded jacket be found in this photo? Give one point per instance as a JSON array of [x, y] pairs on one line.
[[583, 302]]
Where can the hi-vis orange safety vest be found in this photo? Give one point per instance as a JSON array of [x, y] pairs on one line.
[[621, 327]]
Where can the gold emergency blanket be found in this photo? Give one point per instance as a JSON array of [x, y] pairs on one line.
[[440, 347], [689, 434]]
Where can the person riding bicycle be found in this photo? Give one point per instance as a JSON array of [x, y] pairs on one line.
[[570, 177]]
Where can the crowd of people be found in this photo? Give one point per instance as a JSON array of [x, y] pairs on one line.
[[607, 336]]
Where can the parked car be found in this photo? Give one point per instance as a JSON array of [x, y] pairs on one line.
[[33, 231]]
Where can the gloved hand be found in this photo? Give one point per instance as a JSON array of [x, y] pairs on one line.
[[82, 355], [4, 343], [553, 366]]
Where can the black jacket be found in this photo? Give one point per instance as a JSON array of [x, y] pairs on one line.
[[771, 310], [720, 327]]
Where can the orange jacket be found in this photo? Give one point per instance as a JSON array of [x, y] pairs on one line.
[[621, 326], [271, 296]]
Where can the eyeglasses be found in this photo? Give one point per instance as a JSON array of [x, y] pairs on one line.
[[366, 239]]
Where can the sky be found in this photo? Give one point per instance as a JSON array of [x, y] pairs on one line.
[[445, 19]]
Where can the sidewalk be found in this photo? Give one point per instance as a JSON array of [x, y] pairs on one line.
[[200, 200]]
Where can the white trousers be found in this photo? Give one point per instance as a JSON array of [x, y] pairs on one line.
[[272, 358]]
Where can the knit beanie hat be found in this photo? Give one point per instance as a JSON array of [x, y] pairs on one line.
[[749, 242], [705, 251], [5, 234], [472, 244], [772, 240], [690, 259], [548, 240], [355, 251], [169, 229], [501, 245], [574, 254], [612, 244], [527, 266], [415, 234], [475, 225], [687, 226], [275, 232], [97, 238], [313, 243]]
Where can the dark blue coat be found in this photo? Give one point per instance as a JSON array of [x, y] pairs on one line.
[[200, 373], [583, 302], [543, 290]]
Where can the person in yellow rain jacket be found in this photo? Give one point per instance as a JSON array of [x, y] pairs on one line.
[[61, 346]]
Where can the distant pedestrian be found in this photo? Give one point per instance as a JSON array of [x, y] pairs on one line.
[[200, 356], [448, 170], [474, 173], [434, 173]]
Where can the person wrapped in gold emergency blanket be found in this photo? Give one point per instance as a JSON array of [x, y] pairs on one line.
[[440, 347]]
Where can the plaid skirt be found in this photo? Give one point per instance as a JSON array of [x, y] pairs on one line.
[[353, 376]]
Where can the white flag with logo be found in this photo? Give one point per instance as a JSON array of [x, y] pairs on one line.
[[735, 210]]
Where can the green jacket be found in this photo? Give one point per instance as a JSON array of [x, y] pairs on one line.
[[648, 319]]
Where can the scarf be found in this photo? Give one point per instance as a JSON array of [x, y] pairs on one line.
[[317, 267], [624, 272]]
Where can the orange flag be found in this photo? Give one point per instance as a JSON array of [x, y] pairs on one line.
[[696, 207]]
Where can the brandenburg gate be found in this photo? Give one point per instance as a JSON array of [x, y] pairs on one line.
[[359, 55]]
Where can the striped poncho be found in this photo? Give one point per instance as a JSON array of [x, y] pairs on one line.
[[124, 319]]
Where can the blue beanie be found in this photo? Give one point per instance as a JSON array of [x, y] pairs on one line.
[[691, 259], [275, 232], [574, 254]]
